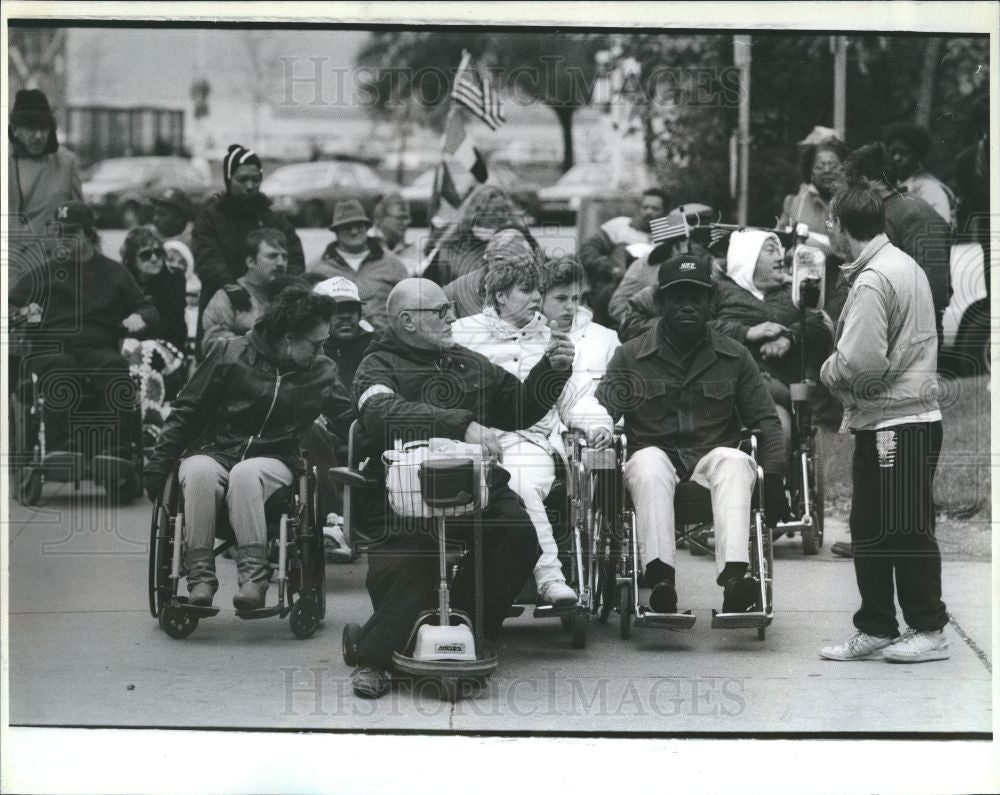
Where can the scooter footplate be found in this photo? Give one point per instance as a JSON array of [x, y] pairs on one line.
[[264, 612], [460, 669], [555, 611]]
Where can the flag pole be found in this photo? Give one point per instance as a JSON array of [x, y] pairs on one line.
[[439, 171]]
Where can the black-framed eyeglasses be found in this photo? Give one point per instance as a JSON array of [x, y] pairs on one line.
[[442, 311], [147, 254], [317, 345]]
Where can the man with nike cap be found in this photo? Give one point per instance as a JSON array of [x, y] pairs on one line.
[[685, 392]]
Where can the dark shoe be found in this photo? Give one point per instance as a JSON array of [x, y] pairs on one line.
[[740, 595], [842, 549], [663, 598], [201, 595], [250, 597], [370, 682]]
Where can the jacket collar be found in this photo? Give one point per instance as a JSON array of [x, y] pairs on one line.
[[375, 252], [228, 204], [712, 347], [503, 330], [875, 245]]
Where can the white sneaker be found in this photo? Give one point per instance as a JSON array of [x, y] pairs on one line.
[[860, 646], [914, 646], [557, 592]]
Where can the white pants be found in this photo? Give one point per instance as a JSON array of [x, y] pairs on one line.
[[727, 473], [204, 483], [532, 472]]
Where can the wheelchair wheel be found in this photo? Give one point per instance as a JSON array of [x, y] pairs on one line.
[[159, 558], [578, 628], [30, 487], [349, 642], [177, 624], [305, 617], [625, 612]]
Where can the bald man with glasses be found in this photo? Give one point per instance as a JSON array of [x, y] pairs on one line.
[[416, 383]]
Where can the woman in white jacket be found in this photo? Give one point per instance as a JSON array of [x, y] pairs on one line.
[[512, 332]]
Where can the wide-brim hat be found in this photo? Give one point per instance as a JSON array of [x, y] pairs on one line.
[[348, 212]]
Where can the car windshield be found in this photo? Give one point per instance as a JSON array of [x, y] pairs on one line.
[[124, 169], [302, 176]]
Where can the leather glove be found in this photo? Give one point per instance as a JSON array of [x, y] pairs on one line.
[[153, 483], [775, 503]]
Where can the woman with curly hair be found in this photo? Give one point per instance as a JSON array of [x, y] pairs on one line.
[[143, 255], [235, 430]]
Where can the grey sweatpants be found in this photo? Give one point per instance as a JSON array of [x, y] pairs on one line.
[[204, 483]]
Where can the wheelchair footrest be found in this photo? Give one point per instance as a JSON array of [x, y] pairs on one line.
[[739, 620], [263, 612], [674, 621], [200, 611], [515, 610], [555, 611]]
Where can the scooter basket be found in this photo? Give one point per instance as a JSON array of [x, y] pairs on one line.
[[443, 478]]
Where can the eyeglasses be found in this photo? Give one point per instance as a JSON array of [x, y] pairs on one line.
[[317, 345], [147, 254], [442, 311]]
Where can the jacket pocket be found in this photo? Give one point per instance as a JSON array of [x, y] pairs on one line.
[[719, 398]]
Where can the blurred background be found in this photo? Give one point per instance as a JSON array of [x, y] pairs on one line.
[[585, 111]]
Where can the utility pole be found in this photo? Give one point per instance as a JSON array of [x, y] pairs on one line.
[[838, 45], [741, 59]]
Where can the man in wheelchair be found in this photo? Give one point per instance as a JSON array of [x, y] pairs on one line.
[[685, 392], [76, 305], [415, 384], [235, 429]]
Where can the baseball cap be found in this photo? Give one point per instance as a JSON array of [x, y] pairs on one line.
[[339, 289], [177, 199], [74, 214], [685, 268]]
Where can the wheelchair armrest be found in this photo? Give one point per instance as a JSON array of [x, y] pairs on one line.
[[349, 476]]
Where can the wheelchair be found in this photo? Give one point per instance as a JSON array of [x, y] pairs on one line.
[[804, 481], [35, 464], [616, 570], [571, 490], [295, 545]]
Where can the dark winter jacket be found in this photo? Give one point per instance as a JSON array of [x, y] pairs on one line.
[[380, 271], [736, 311], [83, 303], [915, 228], [220, 233], [403, 392], [244, 401], [347, 354], [167, 291], [688, 407]]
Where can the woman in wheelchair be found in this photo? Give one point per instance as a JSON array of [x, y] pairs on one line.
[[753, 305], [685, 391], [235, 429]]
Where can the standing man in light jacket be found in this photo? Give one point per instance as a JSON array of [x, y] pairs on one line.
[[883, 370]]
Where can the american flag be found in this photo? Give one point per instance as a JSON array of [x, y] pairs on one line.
[[668, 227], [476, 93]]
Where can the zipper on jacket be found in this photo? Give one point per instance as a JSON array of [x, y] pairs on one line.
[[274, 399]]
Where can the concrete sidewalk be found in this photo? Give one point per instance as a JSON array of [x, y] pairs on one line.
[[85, 651]]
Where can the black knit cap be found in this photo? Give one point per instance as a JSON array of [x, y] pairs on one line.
[[31, 109], [237, 156]]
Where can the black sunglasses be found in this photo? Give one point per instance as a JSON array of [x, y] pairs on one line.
[[146, 254]]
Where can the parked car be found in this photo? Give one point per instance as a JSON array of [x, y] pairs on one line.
[[559, 203], [525, 194], [966, 321], [307, 192], [119, 190]]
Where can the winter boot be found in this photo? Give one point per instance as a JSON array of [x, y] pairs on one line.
[[201, 580], [254, 574]]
